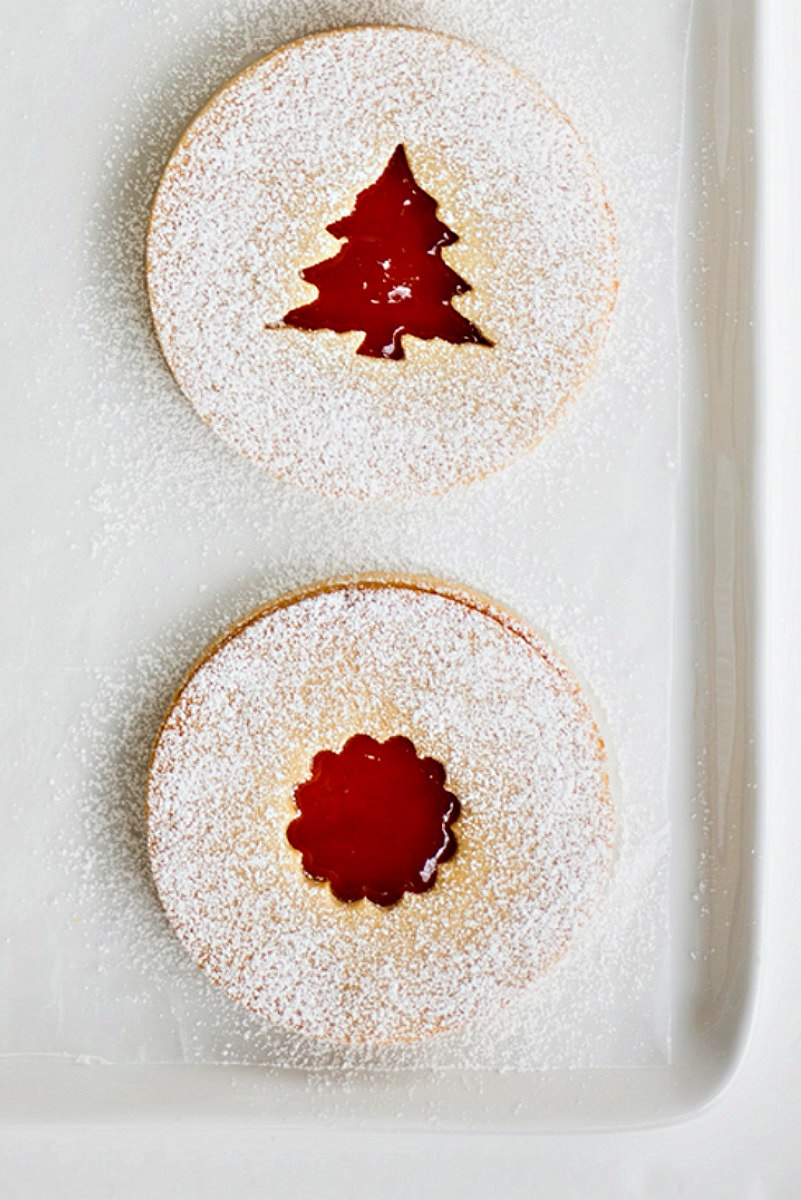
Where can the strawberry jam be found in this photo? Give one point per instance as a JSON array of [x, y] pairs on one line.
[[389, 278], [374, 820]]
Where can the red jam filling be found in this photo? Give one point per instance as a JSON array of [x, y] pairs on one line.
[[389, 277], [374, 820]]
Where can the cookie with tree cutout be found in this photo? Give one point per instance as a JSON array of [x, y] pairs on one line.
[[380, 263]]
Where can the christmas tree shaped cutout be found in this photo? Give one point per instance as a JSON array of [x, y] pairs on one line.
[[389, 278]]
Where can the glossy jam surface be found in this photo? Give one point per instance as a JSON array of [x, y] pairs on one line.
[[375, 820], [389, 278]]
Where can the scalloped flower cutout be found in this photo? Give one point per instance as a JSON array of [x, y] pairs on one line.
[[375, 820]]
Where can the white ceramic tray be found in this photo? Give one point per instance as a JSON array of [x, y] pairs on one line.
[[132, 536]]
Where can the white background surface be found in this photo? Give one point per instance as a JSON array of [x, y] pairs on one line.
[[747, 1144], [137, 535]]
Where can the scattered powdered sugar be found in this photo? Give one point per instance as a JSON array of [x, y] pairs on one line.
[[469, 686], [157, 535], [279, 154]]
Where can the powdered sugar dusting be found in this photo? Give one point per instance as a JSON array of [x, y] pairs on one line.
[[144, 533], [282, 152], [466, 684]]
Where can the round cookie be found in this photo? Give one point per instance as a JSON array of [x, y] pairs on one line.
[[282, 152], [469, 686]]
